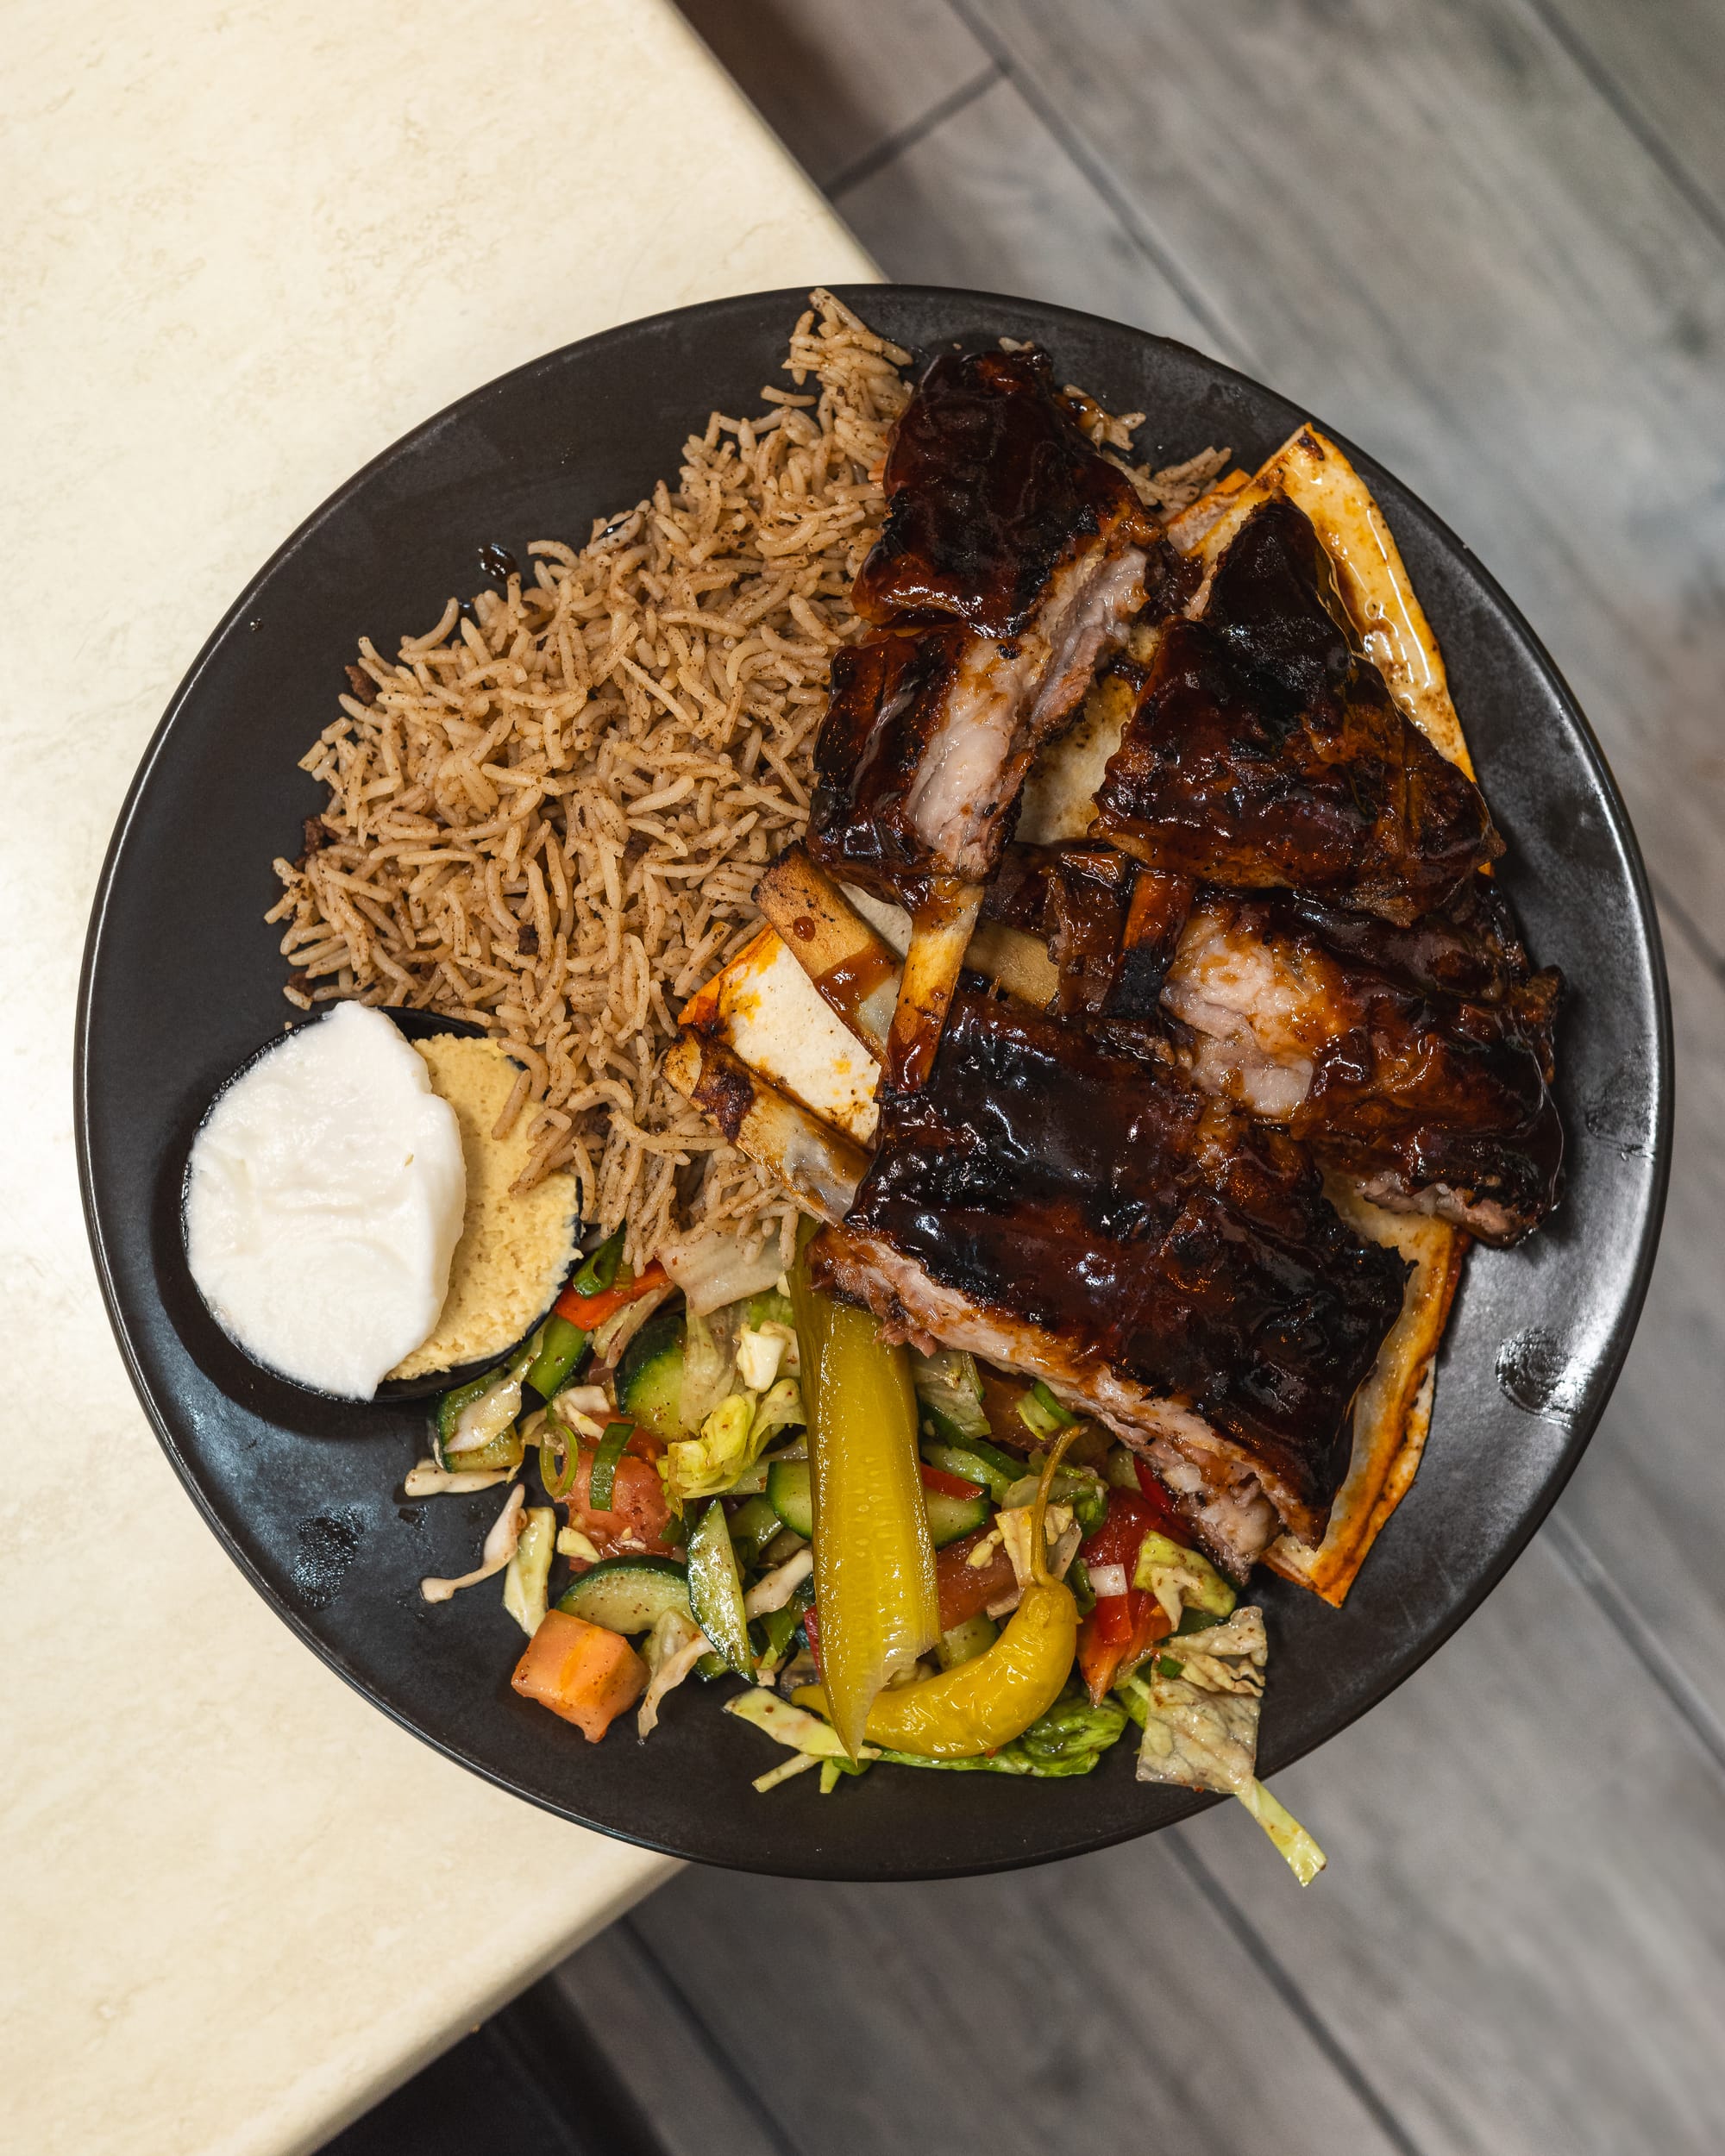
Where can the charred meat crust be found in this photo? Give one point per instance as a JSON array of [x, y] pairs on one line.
[[1088, 1193], [884, 704], [1430, 1050], [1264, 748], [991, 484], [1215, 1485], [1111, 925]]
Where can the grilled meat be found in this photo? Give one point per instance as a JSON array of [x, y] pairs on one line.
[[1265, 750], [1023, 556], [992, 489], [1111, 925], [1071, 1208], [1416, 1060]]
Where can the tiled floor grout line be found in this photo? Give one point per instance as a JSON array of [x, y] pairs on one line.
[[1291, 1994], [1100, 182], [907, 137], [1635, 123]]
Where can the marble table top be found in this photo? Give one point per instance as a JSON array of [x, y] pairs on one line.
[[249, 246]]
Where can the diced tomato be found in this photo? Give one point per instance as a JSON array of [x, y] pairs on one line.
[[1167, 1521], [945, 1485], [812, 1634], [580, 1671], [1117, 1635], [1000, 1398], [638, 1514], [590, 1311], [1122, 1628], [966, 1590], [1116, 1541]]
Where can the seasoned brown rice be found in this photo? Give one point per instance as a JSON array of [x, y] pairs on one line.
[[549, 812]]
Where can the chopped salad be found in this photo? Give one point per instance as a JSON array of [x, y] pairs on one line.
[[910, 1560]]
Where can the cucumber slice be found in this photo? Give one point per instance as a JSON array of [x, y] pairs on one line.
[[502, 1452], [559, 1347], [790, 1495], [649, 1378], [966, 1641], [753, 1525], [716, 1590], [949, 1518], [629, 1595], [967, 1460]]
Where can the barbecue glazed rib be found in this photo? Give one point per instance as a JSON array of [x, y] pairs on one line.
[[1111, 925], [1025, 555], [1416, 1060], [1082, 1214], [1265, 749]]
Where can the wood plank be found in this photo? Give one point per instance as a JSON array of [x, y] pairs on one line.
[[835, 81], [1647, 1498], [1517, 1946], [632, 2009], [1662, 63], [1426, 224], [990, 199], [1521, 1932], [1101, 2001]]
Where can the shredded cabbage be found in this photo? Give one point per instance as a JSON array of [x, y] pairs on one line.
[[528, 1573], [731, 1440], [709, 1362], [670, 1651], [1201, 1707], [949, 1387]]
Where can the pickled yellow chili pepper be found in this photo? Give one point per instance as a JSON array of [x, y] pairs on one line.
[[873, 1564], [986, 1702]]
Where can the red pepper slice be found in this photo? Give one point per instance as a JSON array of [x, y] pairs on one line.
[[1117, 1634], [1167, 1521], [945, 1485], [590, 1311]]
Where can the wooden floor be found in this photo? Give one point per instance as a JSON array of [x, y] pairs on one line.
[[1486, 238]]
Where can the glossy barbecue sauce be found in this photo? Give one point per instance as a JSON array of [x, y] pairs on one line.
[[884, 704], [990, 484], [1264, 748], [1439, 1066], [1043, 1173]]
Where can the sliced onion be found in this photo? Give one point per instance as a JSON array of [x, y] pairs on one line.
[[1107, 1579]]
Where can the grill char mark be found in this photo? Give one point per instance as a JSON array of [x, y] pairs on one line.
[[1265, 749], [991, 484], [1090, 1194], [1430, 1048]]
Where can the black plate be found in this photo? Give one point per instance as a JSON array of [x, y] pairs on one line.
[[182, 979]]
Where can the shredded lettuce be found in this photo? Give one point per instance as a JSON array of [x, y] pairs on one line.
[[788, 1725], [950, 1392], [1079, 1487], [1201, 1724], [1181, 1579], [1300, 1853]]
